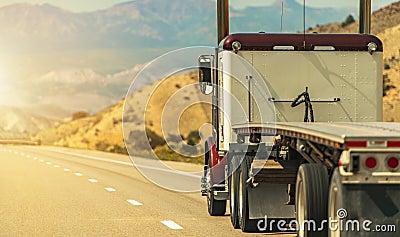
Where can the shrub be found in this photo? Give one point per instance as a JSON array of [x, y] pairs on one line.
[[154, 139], [387, 85], [119, 149], [193, 138], [349, 19], [80, 115]]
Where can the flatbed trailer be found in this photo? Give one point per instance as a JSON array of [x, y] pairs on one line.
[[310, 171], [324, 142]]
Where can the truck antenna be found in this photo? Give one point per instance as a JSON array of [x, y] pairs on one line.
[[304, 23], [282, 15]]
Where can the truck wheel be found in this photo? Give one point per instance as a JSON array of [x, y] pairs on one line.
[[335, 203], [245, 223], [312, 200], [233, 193], [215, 207]]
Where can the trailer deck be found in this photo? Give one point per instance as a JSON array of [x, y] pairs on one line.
[[372, 134]]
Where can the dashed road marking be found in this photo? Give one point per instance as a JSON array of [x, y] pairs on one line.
[[135, 203], [78, 174], [35, 158], [28, 156], [48, 163], [41, 161], [67, 170], [172, 225], [93, 180], [57, 166], [110, 189]]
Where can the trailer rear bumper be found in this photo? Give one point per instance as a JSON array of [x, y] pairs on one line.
[[369, 209]]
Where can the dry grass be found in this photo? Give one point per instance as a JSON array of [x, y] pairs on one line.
[[103, 131]]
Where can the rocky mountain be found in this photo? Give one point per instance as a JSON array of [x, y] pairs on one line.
[[80, 88], [382, 19], [19, 124], [385, 23]]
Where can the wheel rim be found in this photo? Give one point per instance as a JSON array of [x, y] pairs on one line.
[[208, 177], [232, 194], [300, 210], [240, 197], [332, 212]]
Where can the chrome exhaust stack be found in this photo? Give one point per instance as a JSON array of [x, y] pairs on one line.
[[365, 17], [222, 19]]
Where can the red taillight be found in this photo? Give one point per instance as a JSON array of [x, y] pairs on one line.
[[351, 144], [393, 162], [371, 162], [393, 144]]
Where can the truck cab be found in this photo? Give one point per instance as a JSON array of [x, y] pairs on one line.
[[298, 138]]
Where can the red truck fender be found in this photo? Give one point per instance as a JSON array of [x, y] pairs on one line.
[[216, 163]]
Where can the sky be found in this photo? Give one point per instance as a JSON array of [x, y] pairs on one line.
[[92, 5]]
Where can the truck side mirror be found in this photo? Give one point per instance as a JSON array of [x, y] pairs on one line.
[[205, 74]]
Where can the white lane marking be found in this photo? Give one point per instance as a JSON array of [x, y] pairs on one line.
[[130, 164], [135, 203], [28, 156], [172, 225], [78, 174], [35, 158], [57, 166], [67, 170], [110, 189], [48, 163], [93, 180], [41, 161]]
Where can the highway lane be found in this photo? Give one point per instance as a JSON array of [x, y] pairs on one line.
[[48, 191]]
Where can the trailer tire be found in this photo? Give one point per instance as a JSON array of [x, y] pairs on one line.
[[312, 186], [246, 224], [335, 202], [233, 192], [215, 207]]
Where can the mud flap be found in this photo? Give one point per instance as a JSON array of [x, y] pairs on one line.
[[268, 202]]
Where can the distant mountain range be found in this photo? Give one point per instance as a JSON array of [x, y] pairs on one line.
[[142, 24], [86, 61]]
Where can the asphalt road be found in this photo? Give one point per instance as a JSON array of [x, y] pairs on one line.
[[47, 191]]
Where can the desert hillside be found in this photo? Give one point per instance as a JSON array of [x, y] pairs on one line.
[[103, 130], [386, 25]]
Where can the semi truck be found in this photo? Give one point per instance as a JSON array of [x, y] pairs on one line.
[[298, 140]]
